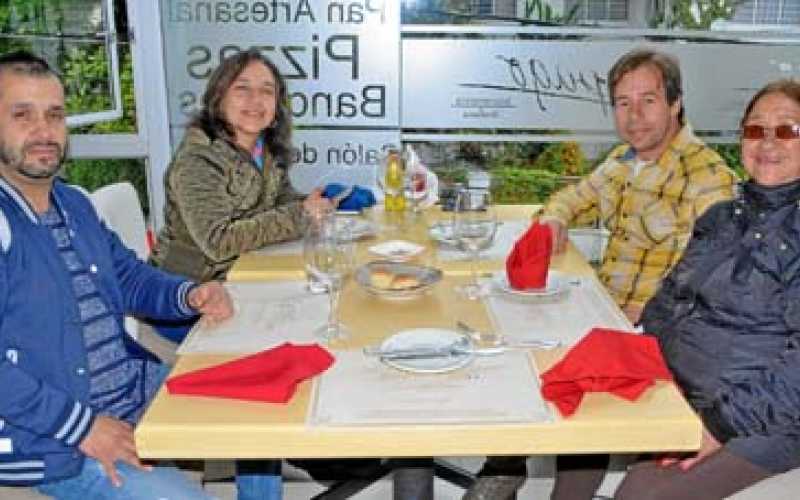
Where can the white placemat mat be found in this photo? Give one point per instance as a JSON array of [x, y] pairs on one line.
[[503, 389], [293, 247], [508, 232], [566, 318], [265, 315]]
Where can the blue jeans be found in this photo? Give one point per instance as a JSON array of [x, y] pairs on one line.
[[259, 480], [166, 483]]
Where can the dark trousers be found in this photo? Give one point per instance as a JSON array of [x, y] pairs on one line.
[[717, 477]]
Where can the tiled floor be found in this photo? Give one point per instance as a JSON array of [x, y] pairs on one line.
[[382, 490], [537, 487], [534, 488]]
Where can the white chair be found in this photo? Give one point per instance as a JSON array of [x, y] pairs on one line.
[[590, 241], [118, 205]]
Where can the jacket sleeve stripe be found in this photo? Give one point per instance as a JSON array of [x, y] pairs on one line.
[[183, 292], [81, 429], [73, 416]]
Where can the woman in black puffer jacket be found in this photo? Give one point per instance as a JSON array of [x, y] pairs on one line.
[[728, 320]]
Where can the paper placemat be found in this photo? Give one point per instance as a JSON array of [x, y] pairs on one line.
[[566, 317], [508, 232], [265, 315], [503, 389]]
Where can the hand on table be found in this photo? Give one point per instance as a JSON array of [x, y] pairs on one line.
[[108, 441], [212, 301], [559, 233], [316, 205]]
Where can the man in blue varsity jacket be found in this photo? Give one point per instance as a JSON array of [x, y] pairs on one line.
[[72, 384]]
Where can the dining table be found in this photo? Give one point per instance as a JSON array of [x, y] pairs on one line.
[[191, 427]]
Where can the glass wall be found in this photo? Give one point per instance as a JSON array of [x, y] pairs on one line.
[[87, 41]]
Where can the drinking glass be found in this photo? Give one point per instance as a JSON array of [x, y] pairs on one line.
[[474, 227], [314, 224], [416, 188], [329, 252]]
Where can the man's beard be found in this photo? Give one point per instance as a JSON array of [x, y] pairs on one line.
[[36, 170]]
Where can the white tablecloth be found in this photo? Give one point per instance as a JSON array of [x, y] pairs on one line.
[[566, 318], [360, 390], [266, 315], [508, 232]]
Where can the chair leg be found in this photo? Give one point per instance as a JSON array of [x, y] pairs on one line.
[[341, 490], [413, 479]]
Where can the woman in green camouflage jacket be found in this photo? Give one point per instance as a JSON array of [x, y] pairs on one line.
[[227, 189]]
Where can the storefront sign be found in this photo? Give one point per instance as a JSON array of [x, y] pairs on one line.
[[561, 85], [341, 60]]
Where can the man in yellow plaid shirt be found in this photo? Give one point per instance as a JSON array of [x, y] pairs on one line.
[[648, 192]]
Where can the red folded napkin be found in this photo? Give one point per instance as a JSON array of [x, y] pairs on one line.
[[271, 375], [528, 262], [621, 363]]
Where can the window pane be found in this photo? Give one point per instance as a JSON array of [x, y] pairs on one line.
[[768, 12], [73, 36], [93, 174]]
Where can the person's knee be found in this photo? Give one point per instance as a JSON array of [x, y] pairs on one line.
[[641, 483], [161, 482]]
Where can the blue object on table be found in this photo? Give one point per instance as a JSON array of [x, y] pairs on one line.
[[359, 199]]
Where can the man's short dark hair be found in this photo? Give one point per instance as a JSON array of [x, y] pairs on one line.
[[666, 64], [25, 63]]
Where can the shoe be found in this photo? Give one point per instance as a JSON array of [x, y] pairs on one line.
[[494, 488]]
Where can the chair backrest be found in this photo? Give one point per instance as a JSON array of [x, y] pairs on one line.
[[118, 205]]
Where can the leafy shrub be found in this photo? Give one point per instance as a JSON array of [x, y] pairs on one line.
[[731, 153], [517, 185], [564, 158], [92, 174]]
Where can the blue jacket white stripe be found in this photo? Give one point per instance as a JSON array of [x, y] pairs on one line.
[[44, 383]]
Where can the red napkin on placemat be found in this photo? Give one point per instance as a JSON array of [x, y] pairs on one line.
[[621, 363], [528, 262], [271, 375]]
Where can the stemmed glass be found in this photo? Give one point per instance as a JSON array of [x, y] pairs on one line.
[[416, 188], [474, 227], [329, 252]]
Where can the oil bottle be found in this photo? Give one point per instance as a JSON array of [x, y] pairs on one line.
[[393, 183]]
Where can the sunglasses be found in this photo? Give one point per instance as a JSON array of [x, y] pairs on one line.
[[782, 132]]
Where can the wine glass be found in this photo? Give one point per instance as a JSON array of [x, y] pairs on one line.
[[416, 188], [474, 227], [329, 252]]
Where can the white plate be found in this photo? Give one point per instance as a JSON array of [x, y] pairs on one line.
[[425, 338], [396, 250], [359, 228], [556, 283]]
